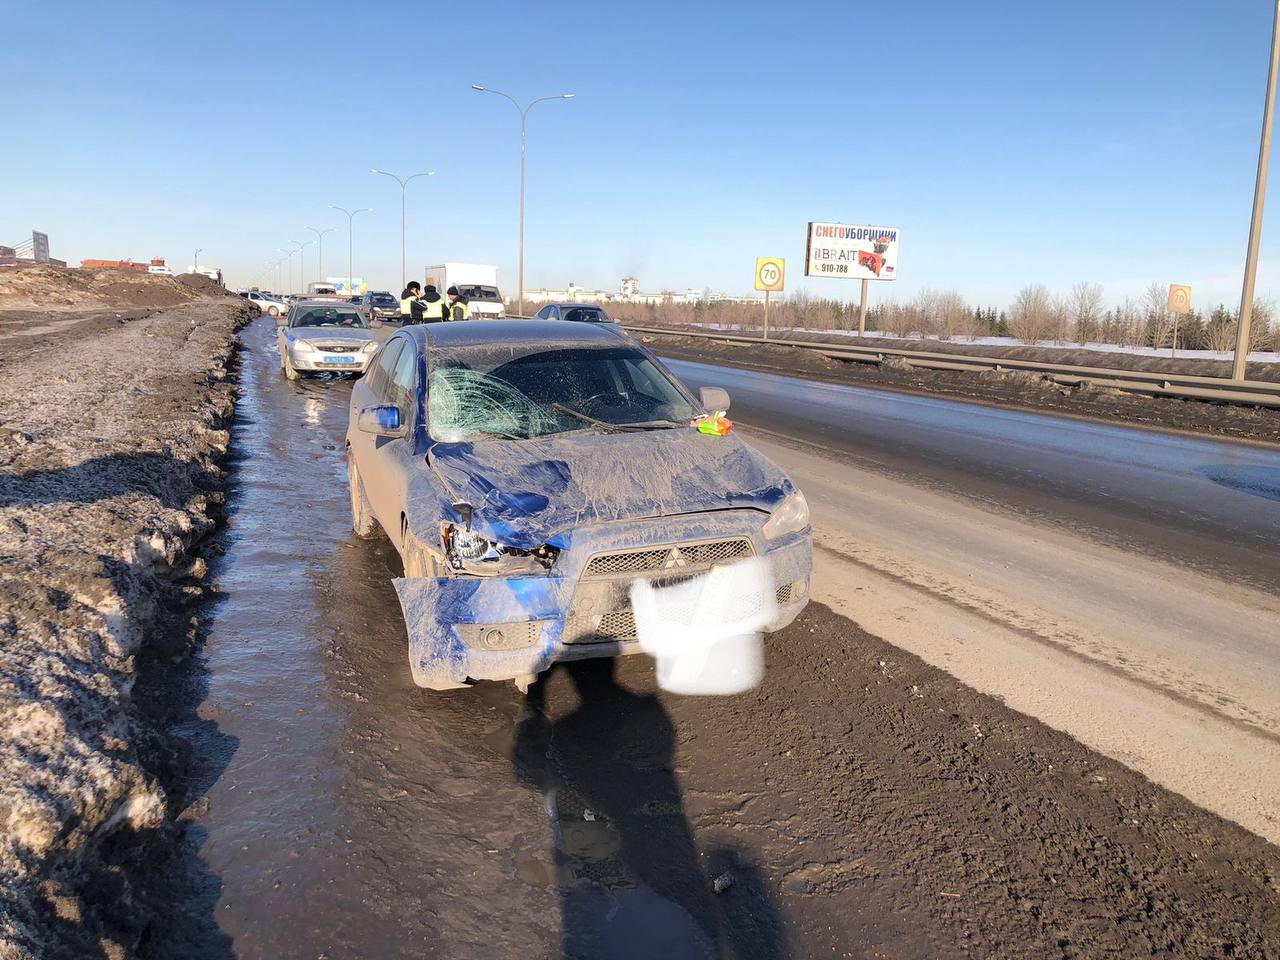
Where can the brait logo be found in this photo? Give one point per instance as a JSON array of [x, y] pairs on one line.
[[674, 559]]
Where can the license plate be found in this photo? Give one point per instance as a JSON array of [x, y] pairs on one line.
[[338, 359]]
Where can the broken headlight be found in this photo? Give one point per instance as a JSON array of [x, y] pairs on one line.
[[473, 553], [791, 517]]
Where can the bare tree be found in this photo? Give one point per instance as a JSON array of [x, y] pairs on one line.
[[1159, 321], [1128, 323], [954, 318], [1086, 311], [1060, 319], [1029, 317]]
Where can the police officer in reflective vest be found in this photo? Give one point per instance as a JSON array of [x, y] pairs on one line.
[[434, 308], [410, 306], [458, 308]]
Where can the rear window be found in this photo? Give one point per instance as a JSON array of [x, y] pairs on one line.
[[586, 315]]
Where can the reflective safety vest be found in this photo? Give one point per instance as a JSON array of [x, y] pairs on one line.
[[459, 311], [432, 311], [406, 306]]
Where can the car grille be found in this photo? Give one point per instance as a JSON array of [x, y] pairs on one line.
[[341, 348], [677, 557], [601, 609]]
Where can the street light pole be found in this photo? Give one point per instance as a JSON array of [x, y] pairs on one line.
[[1241, 359], [524, 114], [320, 250], [351, 216], [196, 266], [403, 183], [302, 263], [286, 250]]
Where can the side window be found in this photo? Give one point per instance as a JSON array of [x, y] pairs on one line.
[[403, 380], [386, 364], [543, 313], [553, 313]]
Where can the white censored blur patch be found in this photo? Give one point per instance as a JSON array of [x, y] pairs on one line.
[[706, 632]]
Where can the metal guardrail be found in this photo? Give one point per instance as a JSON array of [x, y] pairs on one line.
[[1255, 392]]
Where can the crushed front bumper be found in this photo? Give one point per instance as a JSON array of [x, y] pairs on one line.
[[467, 628]]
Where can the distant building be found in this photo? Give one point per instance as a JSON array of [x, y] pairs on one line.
[[629, 292], [29, 252]]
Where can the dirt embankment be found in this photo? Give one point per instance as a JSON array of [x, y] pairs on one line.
[[1005, 388], [112, 431]]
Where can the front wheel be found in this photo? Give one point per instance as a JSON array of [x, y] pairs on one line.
[[418, 562], [290, 371], [363, 521]]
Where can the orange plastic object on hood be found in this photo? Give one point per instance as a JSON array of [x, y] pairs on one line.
[[714, 424]]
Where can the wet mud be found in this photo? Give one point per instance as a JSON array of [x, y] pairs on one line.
[[857, 804]]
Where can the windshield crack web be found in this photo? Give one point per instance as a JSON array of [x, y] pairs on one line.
[[463, 403]]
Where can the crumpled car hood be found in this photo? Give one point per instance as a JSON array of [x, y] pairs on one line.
[[524, 492]]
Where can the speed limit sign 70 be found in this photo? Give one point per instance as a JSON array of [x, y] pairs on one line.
[[770, 273]]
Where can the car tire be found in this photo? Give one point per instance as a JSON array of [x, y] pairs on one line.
[[290, 371], [363, 522], [273, 311], [418, 562]]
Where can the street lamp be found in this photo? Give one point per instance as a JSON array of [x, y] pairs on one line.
[[286, 250], [302, 263], [1240, 362], [524, 113], [195, 267], [351, 216], [403, 183], [320, 249]]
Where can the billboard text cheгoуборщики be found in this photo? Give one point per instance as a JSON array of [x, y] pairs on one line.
[[851, 251]]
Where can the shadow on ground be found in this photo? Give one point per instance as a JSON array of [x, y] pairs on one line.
[[629, 876]]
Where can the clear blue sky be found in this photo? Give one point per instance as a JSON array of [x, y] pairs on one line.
[[1010, 142]]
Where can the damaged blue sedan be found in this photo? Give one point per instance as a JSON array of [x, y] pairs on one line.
[[529, 472]]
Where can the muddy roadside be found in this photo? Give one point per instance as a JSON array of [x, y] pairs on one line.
[[113, 430], [1016, 389]]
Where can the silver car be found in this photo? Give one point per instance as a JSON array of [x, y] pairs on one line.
[[323, 335], [531, 472]]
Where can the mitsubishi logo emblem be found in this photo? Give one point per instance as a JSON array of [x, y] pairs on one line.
[[674, 559]]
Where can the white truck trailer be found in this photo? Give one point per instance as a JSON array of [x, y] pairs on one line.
[[477, 282]]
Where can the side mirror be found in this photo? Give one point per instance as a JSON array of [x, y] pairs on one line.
[[714, 398], [381, 421]]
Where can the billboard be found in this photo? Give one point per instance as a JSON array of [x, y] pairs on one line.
[[39, 246], [340, 285], [851, 251]]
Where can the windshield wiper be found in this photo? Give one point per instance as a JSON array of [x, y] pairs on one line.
[[617, 427]]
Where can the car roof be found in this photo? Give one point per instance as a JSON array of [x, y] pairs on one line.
[[461, 333], [570, 303]]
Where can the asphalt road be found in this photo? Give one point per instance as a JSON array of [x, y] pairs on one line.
[[1116, 582], [859, 803]]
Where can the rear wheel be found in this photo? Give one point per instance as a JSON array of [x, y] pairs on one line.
[[273, 311], [363, 521]]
